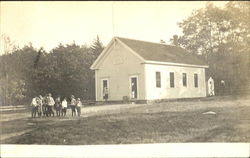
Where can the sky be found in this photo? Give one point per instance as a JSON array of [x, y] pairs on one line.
[[46, 24]]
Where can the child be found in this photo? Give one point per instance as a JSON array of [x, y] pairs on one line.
[[78, 106], [34, 107], [51, 104], [73, 105], [45, 105], [64, 107], [58, 106], [39, 106], [105, 92], [46, 101]]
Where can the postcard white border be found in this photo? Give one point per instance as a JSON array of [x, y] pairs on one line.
[[129, 150]]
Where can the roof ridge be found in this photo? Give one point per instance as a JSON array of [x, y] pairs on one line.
[[148, 42]]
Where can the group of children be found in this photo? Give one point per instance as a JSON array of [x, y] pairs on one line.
[[47, 106]]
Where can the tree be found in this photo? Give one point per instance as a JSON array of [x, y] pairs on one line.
[[39, 54], [8, 47], [221, 37], [97, 47]]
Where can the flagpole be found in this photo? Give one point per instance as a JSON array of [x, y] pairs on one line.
[[113, 19]]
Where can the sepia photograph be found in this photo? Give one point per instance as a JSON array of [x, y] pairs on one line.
[[125, 76]]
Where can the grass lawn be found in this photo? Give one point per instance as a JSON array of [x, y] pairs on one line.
[[166, 122]]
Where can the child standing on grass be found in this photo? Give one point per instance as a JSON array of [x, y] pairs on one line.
[[58, 106], [105, 92], [51, 104], [78, 106], [45, 106], [34, 107], [39, 105], [64, 107], [73, 105]]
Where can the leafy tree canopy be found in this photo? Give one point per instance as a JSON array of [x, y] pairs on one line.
[[65, 70], [222, 37]]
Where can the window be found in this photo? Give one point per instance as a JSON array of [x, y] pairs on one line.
[[184, 79], [171, 79], [158, 79], [195, 80]]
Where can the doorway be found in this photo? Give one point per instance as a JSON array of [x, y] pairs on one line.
[[105, 89], [134, 87]]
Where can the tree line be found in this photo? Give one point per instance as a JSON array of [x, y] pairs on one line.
[[27, 72], [221, 36]]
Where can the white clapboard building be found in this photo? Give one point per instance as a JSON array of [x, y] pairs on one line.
[[144, 71]]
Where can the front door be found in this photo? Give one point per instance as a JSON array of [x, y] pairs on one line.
[[105, 89], [134, 88]]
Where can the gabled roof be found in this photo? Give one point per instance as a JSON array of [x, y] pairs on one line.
[[156, 53], [162, 52]]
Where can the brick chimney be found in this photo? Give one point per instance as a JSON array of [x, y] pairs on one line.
[[175, 40]]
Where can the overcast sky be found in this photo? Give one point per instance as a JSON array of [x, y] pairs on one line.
[[47, 24]]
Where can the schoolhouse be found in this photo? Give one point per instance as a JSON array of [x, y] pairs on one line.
[[143, 71]]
